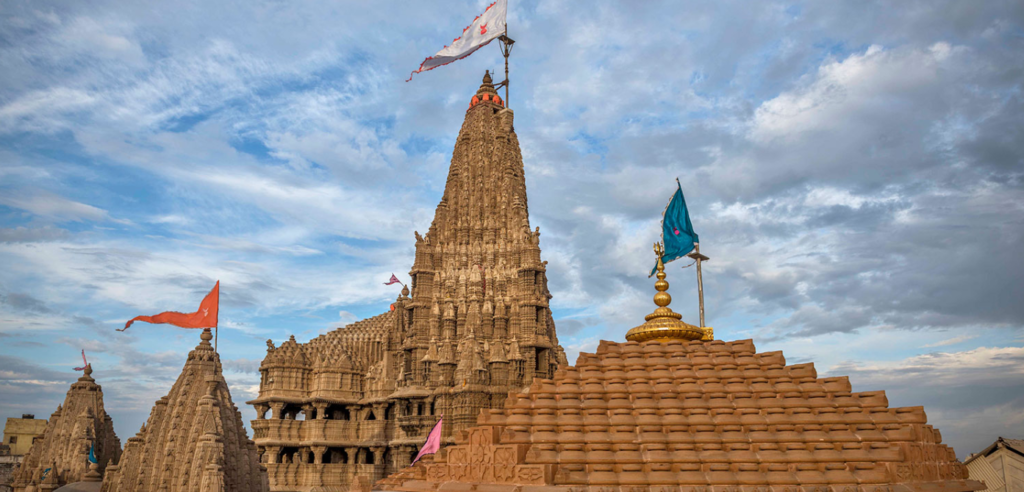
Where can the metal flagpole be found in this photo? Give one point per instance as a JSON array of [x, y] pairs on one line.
[[506, 48], [700, 281]]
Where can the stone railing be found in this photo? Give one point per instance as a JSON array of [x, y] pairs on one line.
[[336, 430], [323, 475], [296, 431], [278, 430]]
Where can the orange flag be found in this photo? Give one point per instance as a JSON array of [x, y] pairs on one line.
[[205, 317]]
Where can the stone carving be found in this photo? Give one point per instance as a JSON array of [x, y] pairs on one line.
[[475, 326], [193, 440], [693, 416], [77, 426]]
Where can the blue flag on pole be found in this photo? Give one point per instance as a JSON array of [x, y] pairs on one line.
[[92, 453], [676, 230]]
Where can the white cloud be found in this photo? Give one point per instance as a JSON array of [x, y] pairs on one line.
[[49, 205], [860, 86], [951, 341]]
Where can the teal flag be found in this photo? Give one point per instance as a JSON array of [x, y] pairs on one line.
[[676, 230], [92, 453]]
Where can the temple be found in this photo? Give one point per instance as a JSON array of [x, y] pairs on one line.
[[194, 440], [78, 427], [358, 402], [670, 412]]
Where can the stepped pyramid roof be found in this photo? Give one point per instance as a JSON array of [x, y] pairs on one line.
[[194, 440], [78, 425], [657, 416], [670, 412]]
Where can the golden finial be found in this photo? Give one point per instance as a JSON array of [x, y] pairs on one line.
[[487, 87], [663, 324]]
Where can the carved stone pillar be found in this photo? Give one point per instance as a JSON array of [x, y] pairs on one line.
[[307, 412], [380, 410], [397, 455], [318, 454], [261, 410], [378, 462], [277, 407], [353, 412], [352, 454], [378, 455], [321, 410], [273, 453]]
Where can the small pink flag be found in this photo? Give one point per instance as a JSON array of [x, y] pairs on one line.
[[85, 362], [394, 280], [433, 443]]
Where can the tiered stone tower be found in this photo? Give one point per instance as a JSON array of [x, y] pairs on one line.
[[476, 327], [677, 414], [80, 424], [193, 441]]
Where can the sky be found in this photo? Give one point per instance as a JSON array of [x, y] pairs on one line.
[[855, 171]]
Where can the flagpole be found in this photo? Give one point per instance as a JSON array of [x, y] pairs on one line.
[[699, 258], [506, 48]]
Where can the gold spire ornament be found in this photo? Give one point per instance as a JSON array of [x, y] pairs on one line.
[[663, 324]]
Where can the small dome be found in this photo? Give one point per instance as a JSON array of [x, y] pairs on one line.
[[486, 93]]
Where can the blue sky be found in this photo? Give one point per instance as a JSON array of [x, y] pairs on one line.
[[854, 170]]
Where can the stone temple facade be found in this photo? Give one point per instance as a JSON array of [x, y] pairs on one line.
[[194, 440], [359, 401], [678, 414], [78, 425]]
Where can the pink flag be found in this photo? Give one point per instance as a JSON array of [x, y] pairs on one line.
[[394, 280], [85, 362], [433, 443]]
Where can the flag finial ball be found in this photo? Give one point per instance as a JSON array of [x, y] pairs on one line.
[[206, 336]]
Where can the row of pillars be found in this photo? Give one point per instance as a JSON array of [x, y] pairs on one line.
[[319, 411], [401, 456]]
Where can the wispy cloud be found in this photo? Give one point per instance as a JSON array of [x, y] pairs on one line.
[[951, 341]]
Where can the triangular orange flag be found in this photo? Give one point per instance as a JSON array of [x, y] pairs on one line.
[[205, 317]]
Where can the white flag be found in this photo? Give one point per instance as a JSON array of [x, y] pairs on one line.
[[483, 30]]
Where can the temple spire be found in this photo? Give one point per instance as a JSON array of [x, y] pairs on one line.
[[194, 439]]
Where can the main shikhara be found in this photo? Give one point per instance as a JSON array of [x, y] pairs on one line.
[[475, 326]]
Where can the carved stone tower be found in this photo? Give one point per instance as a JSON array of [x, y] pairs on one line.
[[481, 324], [77, 427], [476, 327], [193, 440]]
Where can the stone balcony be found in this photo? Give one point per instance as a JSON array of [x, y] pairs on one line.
[[333, 432]]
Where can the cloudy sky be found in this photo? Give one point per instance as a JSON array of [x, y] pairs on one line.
[[854, 170]]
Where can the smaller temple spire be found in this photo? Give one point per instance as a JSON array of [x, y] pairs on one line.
[[663, 324]]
